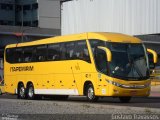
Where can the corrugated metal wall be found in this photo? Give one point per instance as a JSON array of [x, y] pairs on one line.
[[134, 17], [49, 14]]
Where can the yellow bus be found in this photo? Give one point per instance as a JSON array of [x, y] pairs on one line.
[[94, 64]]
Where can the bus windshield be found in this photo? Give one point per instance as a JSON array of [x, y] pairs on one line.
[[129, 61]]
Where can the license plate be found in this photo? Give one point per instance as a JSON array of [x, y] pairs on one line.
[[133, 92]]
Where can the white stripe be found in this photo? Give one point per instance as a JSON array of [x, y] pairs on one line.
[[16, 92], [57, 91]]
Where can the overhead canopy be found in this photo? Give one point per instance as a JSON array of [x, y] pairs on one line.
[[32, 31], [13, 34]]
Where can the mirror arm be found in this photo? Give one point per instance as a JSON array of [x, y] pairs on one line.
[[154, 55], [108, 52]]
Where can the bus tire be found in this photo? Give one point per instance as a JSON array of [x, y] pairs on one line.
[[30, 92], [125, 99], [90, 93], [21, 91]]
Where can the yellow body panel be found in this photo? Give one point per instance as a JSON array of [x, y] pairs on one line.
[[111, 37], [70, 74], [1, 89]]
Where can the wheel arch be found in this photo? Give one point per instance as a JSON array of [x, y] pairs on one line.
[[19, 83], [28, 83]]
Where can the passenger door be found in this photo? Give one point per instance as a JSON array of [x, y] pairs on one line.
[[82, 66]]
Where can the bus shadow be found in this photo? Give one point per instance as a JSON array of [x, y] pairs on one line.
[[147, 102]]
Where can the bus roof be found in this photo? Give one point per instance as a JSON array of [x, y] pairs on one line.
[[106, 36]]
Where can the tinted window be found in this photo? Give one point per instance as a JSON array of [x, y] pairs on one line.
[[100, 60], [10, 55], [18, 55], [82, 51], [54, 52], [51, 52], [26, 7], [35, 23], [7, 6], [41, 53], [28, 54], [27, 23], [18, 8], [35, 6], [70, 50], [95, 43]]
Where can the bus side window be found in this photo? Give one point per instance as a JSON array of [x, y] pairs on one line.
[[70, 50], [10, 55], [82, 51], [28, 54], [100, 60], [54, 52], [41, 52], [95, 43], [18, 55]]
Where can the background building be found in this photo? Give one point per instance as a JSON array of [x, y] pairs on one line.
[[7, 12], [28, 20], [19, 12], [33, 13]]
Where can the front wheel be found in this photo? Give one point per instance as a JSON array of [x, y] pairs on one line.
[[125, 99], [90, 93]]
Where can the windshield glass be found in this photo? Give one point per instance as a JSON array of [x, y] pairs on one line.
[[129, 61]]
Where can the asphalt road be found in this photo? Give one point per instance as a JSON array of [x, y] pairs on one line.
[[76, 108]]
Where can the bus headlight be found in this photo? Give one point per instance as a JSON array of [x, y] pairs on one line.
[[128, 86], [114, 83]]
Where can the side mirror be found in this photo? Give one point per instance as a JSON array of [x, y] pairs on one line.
[[153, 58], [108, 53]]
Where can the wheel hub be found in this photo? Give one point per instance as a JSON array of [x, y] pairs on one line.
[[30, 92], [90, 93], [22, 92]]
